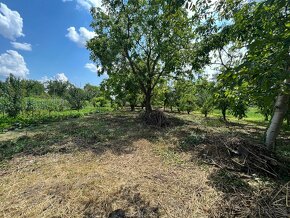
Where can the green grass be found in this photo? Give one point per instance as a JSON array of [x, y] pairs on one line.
[[41, 117], [253, 114]]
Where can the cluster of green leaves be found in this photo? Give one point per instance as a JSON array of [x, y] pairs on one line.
[[39, 117], [12, 96], [261, 28], [26, 102], [141, 43]]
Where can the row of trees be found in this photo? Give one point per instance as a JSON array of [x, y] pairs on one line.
[[187, 95], [141, 44], [28, 96], [184, 95]]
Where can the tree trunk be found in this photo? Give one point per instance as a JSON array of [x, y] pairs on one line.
[[132, 107], [224, 111], [148, 107], [280, 110]]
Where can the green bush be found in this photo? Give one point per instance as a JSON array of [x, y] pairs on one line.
[[39, 118]]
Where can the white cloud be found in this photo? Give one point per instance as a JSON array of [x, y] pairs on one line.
[[80, 37], [12, 62], [87, 4], [96, 69], [92, 67], [61, 77], [21, 46], [11, 23], [44, 79]]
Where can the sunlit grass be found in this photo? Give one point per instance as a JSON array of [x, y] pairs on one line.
[[40, 117]]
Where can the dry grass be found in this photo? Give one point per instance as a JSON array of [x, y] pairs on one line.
[[98, 165], [83, 185]]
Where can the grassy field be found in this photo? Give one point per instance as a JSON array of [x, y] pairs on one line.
[[42, 117], [112, 164]]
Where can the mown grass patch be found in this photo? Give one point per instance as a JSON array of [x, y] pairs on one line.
[[110, 163]]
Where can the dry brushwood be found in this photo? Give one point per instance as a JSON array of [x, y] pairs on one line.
[[243, 156], [246, 160], [155, 118]]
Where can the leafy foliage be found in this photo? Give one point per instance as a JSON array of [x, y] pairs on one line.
[[151, 37], [205, 100], [13, 97], [57, 88], [76, 98]]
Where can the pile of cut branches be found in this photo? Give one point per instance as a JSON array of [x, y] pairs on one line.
[[246, 162], [240, 155], [155, 118], [265, 202]]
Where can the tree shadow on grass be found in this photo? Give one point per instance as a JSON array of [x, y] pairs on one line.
[[239, 163], [241, 196], [97, 133], [124, 203]]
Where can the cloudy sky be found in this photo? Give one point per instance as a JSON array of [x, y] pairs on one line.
[[43, 39]]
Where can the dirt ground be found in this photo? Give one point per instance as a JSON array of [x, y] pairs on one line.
[[113, 165]]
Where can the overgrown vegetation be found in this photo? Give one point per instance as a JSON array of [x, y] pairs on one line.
[[85, 163], [198, 146], [26, 102]]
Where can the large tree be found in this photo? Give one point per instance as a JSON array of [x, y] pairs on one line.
[[152, 37], [264, 28]]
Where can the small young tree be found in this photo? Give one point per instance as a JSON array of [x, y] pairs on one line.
[[184, 95], [100, 102], [205, 96], [3, 106], [170, 99], [12, 94], [76, 98], [49, 105], [187, 103], [91, 91], [30, 106], [221, 101]]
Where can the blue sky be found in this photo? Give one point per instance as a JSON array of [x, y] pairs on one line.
[[44, 39]]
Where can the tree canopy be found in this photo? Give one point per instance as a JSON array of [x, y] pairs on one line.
[[154, 39]]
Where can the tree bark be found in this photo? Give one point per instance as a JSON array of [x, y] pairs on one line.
[[132, 107], [280, 110], [224, 111], [148, 107]]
